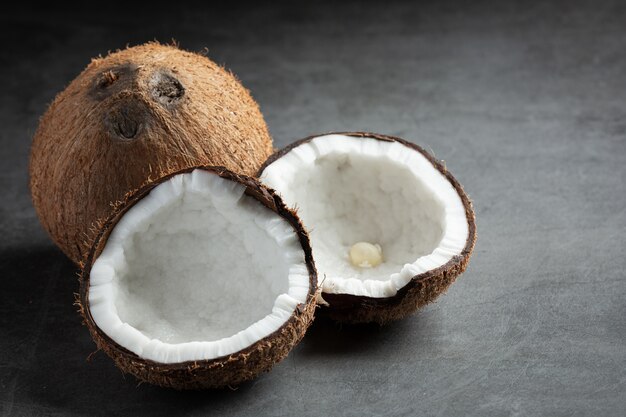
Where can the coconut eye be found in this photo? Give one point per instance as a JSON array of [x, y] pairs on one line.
[[106, 79], [165, 88]]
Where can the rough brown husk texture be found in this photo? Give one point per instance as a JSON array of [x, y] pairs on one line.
[[137, 114], [225, 371], [423, 288]]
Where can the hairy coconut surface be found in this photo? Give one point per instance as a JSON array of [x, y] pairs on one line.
[[134, 115], [201, 279], [390, 227]]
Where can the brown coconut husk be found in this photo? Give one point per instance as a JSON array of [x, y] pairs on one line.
[[135, 115]]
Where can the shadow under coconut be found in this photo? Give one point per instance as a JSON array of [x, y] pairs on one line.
[[49, 361], [326, 337]]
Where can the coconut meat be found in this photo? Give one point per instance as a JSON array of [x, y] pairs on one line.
[[354, 190], [197, 270]]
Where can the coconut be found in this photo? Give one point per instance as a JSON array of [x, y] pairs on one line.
[[135, 115], [390, 227], [201, 279]]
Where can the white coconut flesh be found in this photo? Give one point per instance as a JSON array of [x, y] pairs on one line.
[[378, 212], [197, 270]]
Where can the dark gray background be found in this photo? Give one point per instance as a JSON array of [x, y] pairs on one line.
[[525, 103]]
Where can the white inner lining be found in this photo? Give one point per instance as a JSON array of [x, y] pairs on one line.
[[350, 189], [197, 270]]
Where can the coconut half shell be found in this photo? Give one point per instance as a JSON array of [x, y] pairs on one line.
[[201, 279], [357, 189], [137, 114]]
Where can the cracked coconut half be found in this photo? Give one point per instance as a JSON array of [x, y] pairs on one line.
[[390, 227], [201, 279]]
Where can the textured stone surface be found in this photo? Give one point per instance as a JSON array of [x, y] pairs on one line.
[[524, 102]]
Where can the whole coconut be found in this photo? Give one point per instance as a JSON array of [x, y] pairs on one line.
[[136, 115]]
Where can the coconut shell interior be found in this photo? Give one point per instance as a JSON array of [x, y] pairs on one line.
[[421, 288], [228, 370]]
